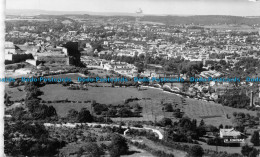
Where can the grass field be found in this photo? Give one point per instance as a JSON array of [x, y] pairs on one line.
[[152, 109], [109, 95], [137, 152], [14, 93], [72, 76], [168, 150], [63, 109], [105, 95], [198, 109], [150, 99]]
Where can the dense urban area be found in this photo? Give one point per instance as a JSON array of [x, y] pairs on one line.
[[167, 86]]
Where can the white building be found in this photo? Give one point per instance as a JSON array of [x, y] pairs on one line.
[[229, 133]]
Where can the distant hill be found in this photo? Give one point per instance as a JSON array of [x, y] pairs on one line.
[[44, 12], [203, 19], [170, 19]]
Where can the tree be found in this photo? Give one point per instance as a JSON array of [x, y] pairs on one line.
[[253, 153], [84, 116], [7, 99], [32, 104], [255, 138], [96, 46], [222, 62], [93, 150], [111, 112], [177, 113], [168, 107], [202, 123], [221, 126], [35, 149], [19, 113], [43, 111], [118, 146], [114, 152], [246, 150], [11, 84], [165, 121], [201, 131], [99, 108], [72, 114], [125, 112], [196, 151], [140, 66], [194, 124]]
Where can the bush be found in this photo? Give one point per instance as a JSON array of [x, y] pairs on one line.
[[165, 122], [154, 152], [97, 126], [196, 151], [11, 84], [124, 112], [168, 107], [99, 108], [93, 150], [118, 146], [255, 138], [246, 150], [84, 116], [138, 125]]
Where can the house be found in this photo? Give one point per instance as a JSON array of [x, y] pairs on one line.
[[9, 48], [120, 68], [15, 54], [229, 133], [231, 136]]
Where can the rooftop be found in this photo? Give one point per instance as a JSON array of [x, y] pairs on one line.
[[229, 132]]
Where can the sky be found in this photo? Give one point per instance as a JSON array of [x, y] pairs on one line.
[[155, 7]]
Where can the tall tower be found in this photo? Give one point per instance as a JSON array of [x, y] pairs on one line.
[[259, 92], [251, 99], [139, 14]]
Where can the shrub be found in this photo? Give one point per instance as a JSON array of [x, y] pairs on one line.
[[168, 107], [196, 151], [118, 146]]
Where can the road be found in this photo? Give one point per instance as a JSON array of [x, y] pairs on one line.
[[73, 125]]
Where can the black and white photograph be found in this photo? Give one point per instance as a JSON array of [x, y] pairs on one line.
[[130, 78]]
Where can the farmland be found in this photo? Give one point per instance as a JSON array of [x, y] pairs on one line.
[[149, 99], [14, 93], [210, 112]]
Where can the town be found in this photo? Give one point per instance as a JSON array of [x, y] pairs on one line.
[[132, 85]]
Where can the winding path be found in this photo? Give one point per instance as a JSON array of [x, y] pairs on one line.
[[73, 125]]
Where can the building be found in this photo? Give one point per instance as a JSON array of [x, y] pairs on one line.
[[229, 133], [72, 33], [9, 50], [58, 55], [231, 136], [120, 68], [14, 54]]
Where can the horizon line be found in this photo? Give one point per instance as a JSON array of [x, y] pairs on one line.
[[115, 13]]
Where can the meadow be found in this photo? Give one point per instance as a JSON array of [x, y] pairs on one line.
[[14, 93], [149, 99]]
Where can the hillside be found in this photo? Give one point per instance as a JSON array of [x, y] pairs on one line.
[[203, 19]]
